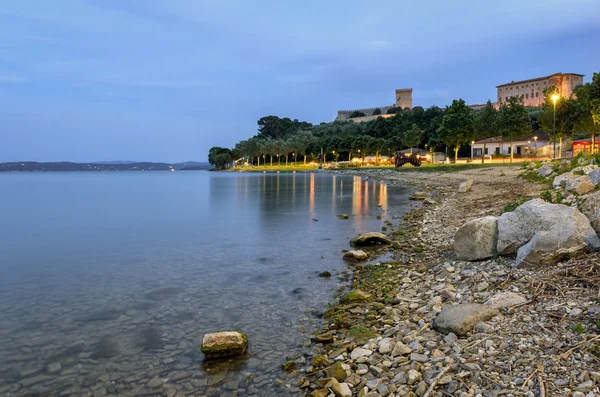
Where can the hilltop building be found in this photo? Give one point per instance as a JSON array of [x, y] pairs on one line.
[[403, 100], [532, 91]]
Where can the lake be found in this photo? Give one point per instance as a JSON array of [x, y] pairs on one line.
[[108, 281]]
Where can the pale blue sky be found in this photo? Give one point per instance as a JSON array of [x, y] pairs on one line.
[[166, 80]]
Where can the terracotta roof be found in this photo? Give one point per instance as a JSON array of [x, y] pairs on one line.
[[538, 79]]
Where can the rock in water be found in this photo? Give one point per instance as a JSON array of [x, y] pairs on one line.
[[476, 239], [418, 196], [591, 209], [460, 319], [343, 216], [465, 185], [540, 233], [580, 185], [224, 344], [505, 299], [355, 256], [370, 239]]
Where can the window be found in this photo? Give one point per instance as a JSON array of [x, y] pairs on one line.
[[486, 150], [537, 94], [526, 96]]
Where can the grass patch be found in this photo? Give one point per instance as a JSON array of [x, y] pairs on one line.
[[512, 205], [362, 335]]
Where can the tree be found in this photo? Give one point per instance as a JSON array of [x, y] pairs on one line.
[[513, 121], [277, 128], [457, 126], [485, 125], [356, 113], [412, 137], [376, 112], [214, 157]]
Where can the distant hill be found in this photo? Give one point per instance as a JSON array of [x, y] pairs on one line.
[[114, 162], [34, 166]]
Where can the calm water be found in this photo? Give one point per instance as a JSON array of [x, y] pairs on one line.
[[116, 276]]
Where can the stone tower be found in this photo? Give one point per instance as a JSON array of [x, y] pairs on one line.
[[404, 98]]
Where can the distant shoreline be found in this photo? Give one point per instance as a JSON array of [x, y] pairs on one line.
[[65, 166]]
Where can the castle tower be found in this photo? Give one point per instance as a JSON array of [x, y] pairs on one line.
[[404, 98]]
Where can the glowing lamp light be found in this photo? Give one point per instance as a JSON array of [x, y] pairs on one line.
[[555, 97]]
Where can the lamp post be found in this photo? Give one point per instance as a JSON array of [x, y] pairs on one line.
[[472, 149], [333, 152], [294, 158], [554, 99], [535, 147], [529, 148]]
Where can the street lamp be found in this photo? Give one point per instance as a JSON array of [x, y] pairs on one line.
[[535, 152], [529, 148], [294, 158], [554, 99], [472, 149]]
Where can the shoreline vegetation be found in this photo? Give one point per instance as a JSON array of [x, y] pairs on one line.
[[67, 166], [378, 339]]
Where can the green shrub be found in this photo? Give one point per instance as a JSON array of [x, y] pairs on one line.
[[512, 205], [559, 197], [546, 196], [578, 328], [575, 160]]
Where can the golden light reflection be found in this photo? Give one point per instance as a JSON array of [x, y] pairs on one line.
[[383, 196], [333, 193], [311, 196], [365, 203]]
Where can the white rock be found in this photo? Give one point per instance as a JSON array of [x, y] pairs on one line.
[[476, 239], [545, 170], [594, 176], [465, 185], [591, 209], [385, 346], [540, 232], [360, 352], [505, 299], [400, 349]]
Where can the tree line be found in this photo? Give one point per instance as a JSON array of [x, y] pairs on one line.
[[435, 129]]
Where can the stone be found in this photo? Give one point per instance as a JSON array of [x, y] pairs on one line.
[[356, 295], [360, 352], [580, 185], [460, 319], [341, 390], [586, 169], [224, 344], [540, 233], [343, 216], [413, 377], [418, 196], [385, 346], [477, 239], [545, 170], [561, 180], [370, 239], [400, 349], [585, 386], [356, 256], [320, 393], [338, 371], [154, 383], [54, 367], [590, 207], [505, 299], [465, 185], [594, 176]]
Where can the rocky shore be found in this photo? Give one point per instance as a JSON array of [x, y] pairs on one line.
[[427, 324]]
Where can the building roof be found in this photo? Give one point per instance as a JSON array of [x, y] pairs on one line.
[[541, 137], [538, 79], [587, 141]]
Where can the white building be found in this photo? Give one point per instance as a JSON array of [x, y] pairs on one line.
[[533, 146]]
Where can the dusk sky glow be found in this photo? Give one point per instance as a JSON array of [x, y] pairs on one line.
[[166, 80]]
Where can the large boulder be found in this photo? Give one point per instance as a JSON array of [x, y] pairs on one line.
[[461, 319], [540, 233], [370, 239], [465, 185], [595, 176], [476, 239], [563, 179], [586, 169], [545, 170], [224, 344], [580, 185], [591, 209]]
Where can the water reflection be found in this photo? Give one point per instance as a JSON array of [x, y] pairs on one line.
[[130, 287]]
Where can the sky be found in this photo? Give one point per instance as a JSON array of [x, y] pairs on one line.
[[159, 80]]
